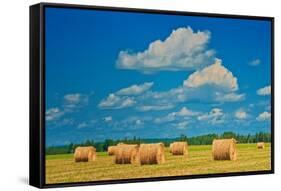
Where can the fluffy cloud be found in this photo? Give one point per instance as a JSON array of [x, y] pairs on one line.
[[73, 98], [255, 62], [108, 119], [214, 75], [186, 112], [264, 91], [125, 97], [139, 122], [154, 107], [184, 49], [116, 102], [135, 89], [82, 125], [241, 114], [87, 124], [53, 114], [168, 118], [264, 116], [229, 97], [181, 125], [214, 83], [215, 116], [131, 122], [183, 112], [70, 104], [164, 98], [76, 100]]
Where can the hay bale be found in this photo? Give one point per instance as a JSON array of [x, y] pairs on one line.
[[121, 143], [152, 153], [85, 154], [179, 148], [126, 154], [111, 150], [224, 149], [260, 145]]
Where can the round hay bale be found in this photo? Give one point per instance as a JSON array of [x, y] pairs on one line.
[[126, 154], [152, 153], [179, 148], [85, 154], [224, 149], [111, 150], [260, 145]]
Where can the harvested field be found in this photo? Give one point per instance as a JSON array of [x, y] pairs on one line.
[[63, 169]]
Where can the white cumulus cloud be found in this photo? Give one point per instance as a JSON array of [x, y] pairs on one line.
[[214, 83], [116, 102], [255, 62], [215, 116], [168, 118], [108, 119], [264, 91], [135, 89], [264, 116], [184, 49], [75, 100], [215, 74], [182, 113], [53, 114], [139, 122], [186, 112], [229, 97], [181, 125], [241, 114], [154, 107], [82, 125]]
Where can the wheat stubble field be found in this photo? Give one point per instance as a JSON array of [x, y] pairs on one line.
[[63, 169]]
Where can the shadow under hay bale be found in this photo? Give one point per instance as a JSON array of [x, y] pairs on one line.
[[260, 145], [126, 154], [85, 154], [151, 153], [179, 148], [224, 149]]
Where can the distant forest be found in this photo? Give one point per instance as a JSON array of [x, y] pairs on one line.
[[196, 140]]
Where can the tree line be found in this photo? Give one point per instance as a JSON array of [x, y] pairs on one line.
[[196, 140]]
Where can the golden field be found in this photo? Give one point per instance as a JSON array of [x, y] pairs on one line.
[[63, 169]]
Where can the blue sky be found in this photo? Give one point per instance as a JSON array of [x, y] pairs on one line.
[[116, 75]]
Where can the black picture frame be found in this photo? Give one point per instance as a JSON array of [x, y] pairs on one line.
[[37, 94]]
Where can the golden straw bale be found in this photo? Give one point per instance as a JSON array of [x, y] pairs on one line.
[[152, 153], [260, 145], [224, 149], [126, 154], [85, 154], [179, 148], [111, 150]]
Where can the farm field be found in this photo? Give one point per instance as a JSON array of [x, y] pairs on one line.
[[63, 169]]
